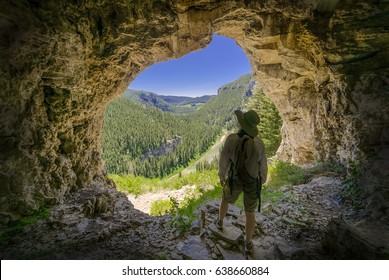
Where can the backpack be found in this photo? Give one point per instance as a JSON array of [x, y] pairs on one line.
[[239, 169]]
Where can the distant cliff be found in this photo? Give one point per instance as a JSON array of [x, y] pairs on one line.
[[165, 149]]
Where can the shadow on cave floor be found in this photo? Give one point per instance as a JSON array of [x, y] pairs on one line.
[[100, 223]]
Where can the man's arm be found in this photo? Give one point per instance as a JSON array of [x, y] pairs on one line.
[[225, 159]]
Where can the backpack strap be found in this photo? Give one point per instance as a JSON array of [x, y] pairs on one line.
[[242, 161], [231, 176], [259, 189]]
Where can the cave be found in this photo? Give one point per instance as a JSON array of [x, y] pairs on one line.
[[324, 64]]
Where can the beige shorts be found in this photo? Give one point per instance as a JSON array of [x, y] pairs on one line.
[[250, 198]]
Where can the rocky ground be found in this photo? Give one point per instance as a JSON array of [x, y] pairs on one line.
[[291, 229], [309, 222]]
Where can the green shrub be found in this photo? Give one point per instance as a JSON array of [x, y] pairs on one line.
[[138, 185], [185, 212], [327, 168], [350, 190], [270, 125], [283, 173], [17, 227], [271, 196], [161, 207]]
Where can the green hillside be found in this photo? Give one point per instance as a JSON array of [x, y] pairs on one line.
[[219, 110], [143, 140], [136, 136]]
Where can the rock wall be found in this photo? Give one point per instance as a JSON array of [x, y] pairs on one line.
[[323, 63]]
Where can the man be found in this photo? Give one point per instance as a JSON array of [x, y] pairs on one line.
[[243, 168]]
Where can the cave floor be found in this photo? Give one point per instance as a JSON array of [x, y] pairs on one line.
[[101, 223]]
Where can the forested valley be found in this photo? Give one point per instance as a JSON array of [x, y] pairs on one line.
[[153, 136]]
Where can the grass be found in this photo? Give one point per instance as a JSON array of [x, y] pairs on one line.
[[280, 174], [17, 227], [329, 168], [161, 207], [271, 195], [186, 211], [351, 191], [283, 173], [183, 213], [138, 185]]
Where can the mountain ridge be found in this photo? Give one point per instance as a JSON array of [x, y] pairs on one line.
[[168, 103]]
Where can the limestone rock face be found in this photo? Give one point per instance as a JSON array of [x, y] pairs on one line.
[[324, 63]]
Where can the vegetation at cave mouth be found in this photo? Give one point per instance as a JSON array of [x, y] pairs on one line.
[[145, 136]]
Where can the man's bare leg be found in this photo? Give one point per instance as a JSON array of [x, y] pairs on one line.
[[223, 209], [250, 227]]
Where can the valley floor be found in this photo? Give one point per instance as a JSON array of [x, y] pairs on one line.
[[143, 202]]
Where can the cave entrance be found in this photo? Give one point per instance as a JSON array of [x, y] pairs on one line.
[[174, 117], [63, 61], [56, 114]]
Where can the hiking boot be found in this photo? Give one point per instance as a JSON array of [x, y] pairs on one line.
[[219, 224], [248, 247]]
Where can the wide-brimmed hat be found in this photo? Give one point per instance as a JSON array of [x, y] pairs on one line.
[[248, 121]]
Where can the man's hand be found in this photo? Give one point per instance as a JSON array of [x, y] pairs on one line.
[[223, 183]]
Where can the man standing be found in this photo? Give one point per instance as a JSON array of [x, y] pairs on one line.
[[243, 168]]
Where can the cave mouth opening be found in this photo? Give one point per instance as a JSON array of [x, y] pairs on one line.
[[64, 62], [191, 90]]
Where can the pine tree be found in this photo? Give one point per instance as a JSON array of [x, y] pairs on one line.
[[270, 121]]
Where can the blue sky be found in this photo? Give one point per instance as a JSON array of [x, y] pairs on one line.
[[197, 73]]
